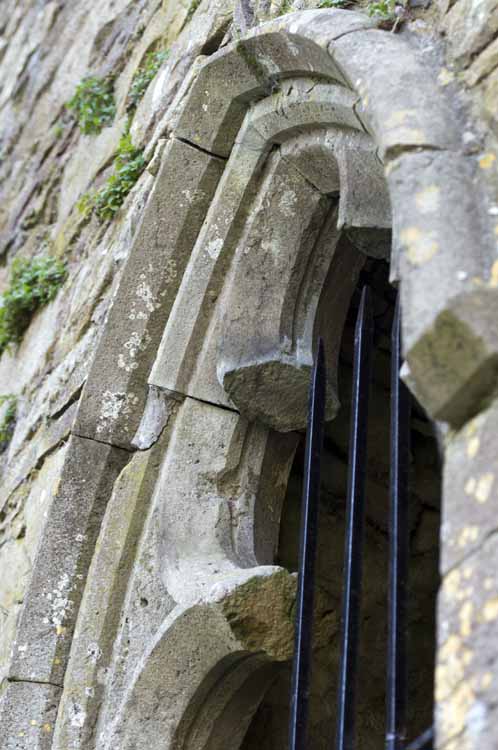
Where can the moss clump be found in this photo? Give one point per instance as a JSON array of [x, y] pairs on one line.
[[32, 284], [93, 104], [129, 163], [144, 75], [8, 404]]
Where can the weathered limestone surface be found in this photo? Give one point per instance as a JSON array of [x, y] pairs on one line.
[[100, 611], [470, 489], [448, 338], [28, 712], [200, 659], [52, 599], [115, 393], [466, 675], [335, 95], [21, 529]]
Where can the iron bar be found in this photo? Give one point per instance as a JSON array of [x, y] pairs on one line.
[[424, 742], [301, 668], [398, 548], [355, 523]]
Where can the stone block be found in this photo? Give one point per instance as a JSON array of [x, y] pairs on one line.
[[467, 662], [200, 659], [27, 716], [470, 488], [115, 393], [312, 156], [448, 286], [100, 612], [239, 75], [413, 117], [224, 480], [364, 201], [303, 106], [470, 26], [206, 270], [278, 275], [63, 555]]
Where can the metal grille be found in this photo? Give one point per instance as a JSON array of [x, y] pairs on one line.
[[396, 669]]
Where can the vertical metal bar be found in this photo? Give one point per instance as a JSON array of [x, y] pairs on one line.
[[307, 555], [424, 742], [399, 547], [355, 523]]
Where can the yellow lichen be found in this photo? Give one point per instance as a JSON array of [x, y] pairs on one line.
[[487, 161], [473, 447], [420, 246], [470, 485], [493, 281], [468, 535], [484, 486], [465, 616], [445, 77], [490, 610], [427, 200]]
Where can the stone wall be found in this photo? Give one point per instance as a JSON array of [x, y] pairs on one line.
[[113, 403]]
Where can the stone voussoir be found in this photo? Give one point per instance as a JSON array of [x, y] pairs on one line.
[[115, 394], [448, 285], [28, 713], [64, 552]]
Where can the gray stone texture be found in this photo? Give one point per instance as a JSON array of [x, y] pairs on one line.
[[415, 117], [100, 611], [448, 293], [115, 393], [470, 489], [52, 599], [466, 674], [183, 568], [238, 75], [28, 713]]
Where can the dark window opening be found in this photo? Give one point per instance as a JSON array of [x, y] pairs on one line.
[[269, 727]]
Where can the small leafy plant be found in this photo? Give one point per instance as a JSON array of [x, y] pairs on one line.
[[8, 405], [383, 9], [144, 75], [129, 164], [32, 284], [335, 4], [93, 104]]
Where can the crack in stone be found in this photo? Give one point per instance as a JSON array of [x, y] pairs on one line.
[[17, 680], [199, 148]]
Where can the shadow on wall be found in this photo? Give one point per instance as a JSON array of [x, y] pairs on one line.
[[268, 730]]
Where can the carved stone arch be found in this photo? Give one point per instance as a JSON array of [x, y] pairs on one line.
[[373, 98], [374, 94], [250, 293]]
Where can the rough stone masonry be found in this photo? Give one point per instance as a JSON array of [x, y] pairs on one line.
[[214, 178]]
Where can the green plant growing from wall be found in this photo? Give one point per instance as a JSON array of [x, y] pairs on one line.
[[383, 9], [8, 405], [32, 284], [335, 4], [129, 164], [93, 104], [285, 8], [144, 75]]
